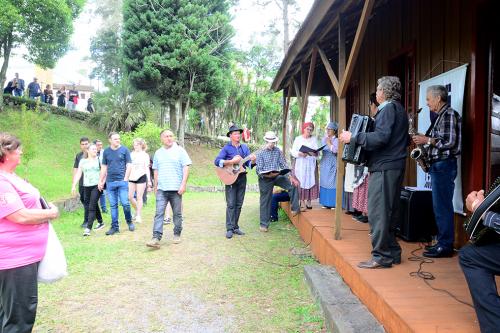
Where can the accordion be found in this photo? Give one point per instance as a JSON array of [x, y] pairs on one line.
[[354, 153]]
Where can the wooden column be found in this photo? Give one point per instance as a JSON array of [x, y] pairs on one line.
[[310, 77], [342, 125], [285, 116]]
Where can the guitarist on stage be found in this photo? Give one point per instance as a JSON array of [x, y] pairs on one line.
[[272, 170], [233, 153], [480, 264]]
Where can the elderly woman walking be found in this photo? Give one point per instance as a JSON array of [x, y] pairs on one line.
[[387, 145], [23, 239], [328, 167], [305, 165]]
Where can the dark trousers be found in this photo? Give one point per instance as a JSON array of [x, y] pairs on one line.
[[266, 193], [384, 191], [277, 198], [443, 174], [235, 194], [82, 200], [18, 298], [162, 200], [91, 196], [480, 264]]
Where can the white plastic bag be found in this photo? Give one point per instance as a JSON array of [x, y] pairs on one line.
[[53, 266]]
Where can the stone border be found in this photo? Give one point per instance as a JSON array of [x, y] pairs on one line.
[[343, 311]]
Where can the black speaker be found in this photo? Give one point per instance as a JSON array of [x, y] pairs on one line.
[[416, 216]]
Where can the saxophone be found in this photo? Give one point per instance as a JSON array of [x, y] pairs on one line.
[[419, 154]]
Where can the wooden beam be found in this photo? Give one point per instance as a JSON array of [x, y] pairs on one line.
[[342, 124], [297, 91], [329, 70], [310, 78], [285, 116], [356, 45]]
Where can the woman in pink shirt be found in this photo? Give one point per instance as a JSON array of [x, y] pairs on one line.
[[23, 239]]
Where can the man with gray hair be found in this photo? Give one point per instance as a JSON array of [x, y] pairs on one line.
[[387, 145], [443, 140]]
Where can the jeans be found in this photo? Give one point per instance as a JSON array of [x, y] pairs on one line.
[[277, 198], [102, 202], [235, 194], [384, 193], [266, 193], [18, 92], [118, 191], [480, 264], [443, 174], [18, 298], [91, 195], [162, 199], [82, 200]]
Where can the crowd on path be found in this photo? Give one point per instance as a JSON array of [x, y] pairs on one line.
[[64, 98]]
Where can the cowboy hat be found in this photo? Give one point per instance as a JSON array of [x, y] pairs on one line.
[[270, 136]]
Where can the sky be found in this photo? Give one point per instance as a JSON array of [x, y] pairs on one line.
[[249, 22]]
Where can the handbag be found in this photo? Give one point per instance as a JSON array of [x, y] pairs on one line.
[[53, 266]]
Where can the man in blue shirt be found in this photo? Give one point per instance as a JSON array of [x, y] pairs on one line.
[[19, 87], [34, 90], [171, 170], [115, 170], [233, 153], [480, 264]]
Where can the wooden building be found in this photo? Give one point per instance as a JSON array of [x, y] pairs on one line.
[[343, 46]]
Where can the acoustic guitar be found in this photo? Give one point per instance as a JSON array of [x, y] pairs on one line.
[[228, 173]]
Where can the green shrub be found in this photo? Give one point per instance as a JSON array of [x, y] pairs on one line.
[[148, 131]]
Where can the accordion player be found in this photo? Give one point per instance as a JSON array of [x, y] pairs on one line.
[[354, 153]]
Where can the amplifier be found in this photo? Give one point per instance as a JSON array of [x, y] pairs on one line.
[[416, 215]]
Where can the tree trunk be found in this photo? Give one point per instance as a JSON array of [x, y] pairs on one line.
[[173, 117], [286, 27], [182, 123], [7, 47]]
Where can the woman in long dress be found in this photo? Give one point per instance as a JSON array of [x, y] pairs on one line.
[[328, 167], [305, 165]]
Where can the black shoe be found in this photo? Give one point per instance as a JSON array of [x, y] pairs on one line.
[[430, 247], [229, 234], [274, 220], [438, 252], [99, 226], [238, 232], [396, 261], [112, 231], [372, 264], [361, 218]]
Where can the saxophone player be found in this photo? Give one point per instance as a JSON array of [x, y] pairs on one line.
[[443, 139]]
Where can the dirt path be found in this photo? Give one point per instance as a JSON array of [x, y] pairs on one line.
[[205, 284]]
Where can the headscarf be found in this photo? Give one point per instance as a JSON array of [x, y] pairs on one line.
[[332, 125], [305, 125]]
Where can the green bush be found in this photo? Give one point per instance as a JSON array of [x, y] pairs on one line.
[[148, 131], [43, 107]]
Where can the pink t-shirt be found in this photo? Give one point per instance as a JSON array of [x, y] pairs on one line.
[[20, 244]]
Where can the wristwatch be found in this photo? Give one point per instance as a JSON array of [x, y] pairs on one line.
[[429, 141]]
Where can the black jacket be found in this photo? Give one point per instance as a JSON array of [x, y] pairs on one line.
[[387, 144]]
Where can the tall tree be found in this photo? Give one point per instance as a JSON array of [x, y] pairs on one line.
[[176, 48], [43, 27], [106, 45]]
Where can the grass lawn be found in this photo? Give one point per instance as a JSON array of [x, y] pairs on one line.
[[205, 284]]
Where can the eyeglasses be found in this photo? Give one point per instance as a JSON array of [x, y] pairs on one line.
[[309, 129]]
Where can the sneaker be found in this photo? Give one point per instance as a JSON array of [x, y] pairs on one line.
[[99, 226], [177, 239], [131, 226], [112, 231], [154, 242], [167, 221], [138, 219], [263, 229], [229, 234], [238, 232], [86, 232]]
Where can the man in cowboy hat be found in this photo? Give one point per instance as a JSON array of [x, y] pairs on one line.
[[232, 153], [273, 170]]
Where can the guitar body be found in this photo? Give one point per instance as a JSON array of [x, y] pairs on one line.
[[229, 173]]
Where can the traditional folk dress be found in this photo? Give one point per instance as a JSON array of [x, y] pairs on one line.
[[305, 168], [360, 194], [328, 173]]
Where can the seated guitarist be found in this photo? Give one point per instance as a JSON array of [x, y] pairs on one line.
[[272, 170], [480, 264], [233, 153]]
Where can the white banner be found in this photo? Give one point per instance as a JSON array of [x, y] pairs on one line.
[[454, 81]]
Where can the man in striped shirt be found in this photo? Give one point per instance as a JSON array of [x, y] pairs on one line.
[[443, 139], [171, 170]]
